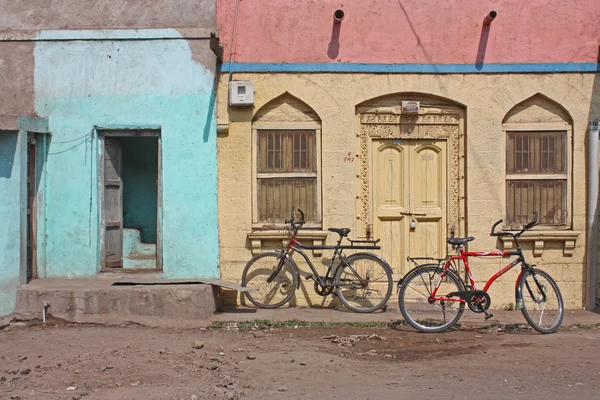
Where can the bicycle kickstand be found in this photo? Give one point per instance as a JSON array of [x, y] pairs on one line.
[[487, 315]]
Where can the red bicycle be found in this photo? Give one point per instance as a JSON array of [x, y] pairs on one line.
[[433, 296]]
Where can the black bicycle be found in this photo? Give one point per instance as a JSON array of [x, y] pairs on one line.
[[362, 281]]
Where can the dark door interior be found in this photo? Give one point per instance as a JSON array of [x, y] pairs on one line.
[[31, 230]]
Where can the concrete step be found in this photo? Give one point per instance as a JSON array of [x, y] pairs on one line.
[[97, 301], [135, 253]]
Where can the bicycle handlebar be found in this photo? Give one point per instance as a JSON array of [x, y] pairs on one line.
[[292, 221], [526, 226], [492, 233], [533, 222]]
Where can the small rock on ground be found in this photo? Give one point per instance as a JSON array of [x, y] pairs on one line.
[[198, 344]]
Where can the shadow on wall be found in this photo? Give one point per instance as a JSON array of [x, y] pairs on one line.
[[333, 50], [485, 33], [8, 148], [211, 112], [483, 39]]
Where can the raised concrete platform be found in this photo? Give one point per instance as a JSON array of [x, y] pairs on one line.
[[96, 300]]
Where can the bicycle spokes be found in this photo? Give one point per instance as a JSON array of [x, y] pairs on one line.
[[364, 283], [272, 281], [538, 292], [419, 307], [542, 303]]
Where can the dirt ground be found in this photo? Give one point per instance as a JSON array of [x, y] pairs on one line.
[[66, 361]]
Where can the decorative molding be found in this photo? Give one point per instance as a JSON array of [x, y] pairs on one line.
[[222, 128], [390, 123], [391, 116], [538, 248], [540, 238], [257, 238], [286, 109]]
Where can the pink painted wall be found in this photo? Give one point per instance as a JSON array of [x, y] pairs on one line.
[[411, 31]]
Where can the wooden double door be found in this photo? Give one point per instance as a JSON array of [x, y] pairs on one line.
[[410, 199]]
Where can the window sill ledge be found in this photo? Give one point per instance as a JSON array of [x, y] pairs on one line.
[[317, 237], [539, 238]]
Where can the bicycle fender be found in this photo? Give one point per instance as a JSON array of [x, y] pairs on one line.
[[413, 270], [518, 292], [296, 270], [351, 256]]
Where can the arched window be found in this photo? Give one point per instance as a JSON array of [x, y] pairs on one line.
[[538, 163], [287, 162]]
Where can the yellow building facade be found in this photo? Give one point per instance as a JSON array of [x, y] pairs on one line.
[[446, 163]]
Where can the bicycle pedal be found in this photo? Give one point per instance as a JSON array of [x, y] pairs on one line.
[[309, 276]]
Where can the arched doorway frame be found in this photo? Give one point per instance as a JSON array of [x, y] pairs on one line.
[[437, 118]]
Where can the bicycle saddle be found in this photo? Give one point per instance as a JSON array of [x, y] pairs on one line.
[[343, 232], [459, 241]]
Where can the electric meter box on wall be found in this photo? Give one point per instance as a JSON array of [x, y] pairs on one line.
[[241, 93]]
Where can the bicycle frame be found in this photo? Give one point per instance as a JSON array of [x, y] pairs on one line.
[[295, 246], [464, 257]]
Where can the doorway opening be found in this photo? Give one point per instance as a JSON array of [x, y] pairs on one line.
[[131, 171], [31, 210]]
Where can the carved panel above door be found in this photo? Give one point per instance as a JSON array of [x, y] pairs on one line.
[[431, 123]]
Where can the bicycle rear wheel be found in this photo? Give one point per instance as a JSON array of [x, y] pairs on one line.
[[269, 294], [364, 283], [414, 299], [543, 306]]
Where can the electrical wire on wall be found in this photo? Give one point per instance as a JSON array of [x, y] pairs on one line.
[[91, 182], [82, 140]]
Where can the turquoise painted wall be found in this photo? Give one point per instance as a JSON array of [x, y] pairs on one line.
[[9, 220], [136, 84], [140, 164]]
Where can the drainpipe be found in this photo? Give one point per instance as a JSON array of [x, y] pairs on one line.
[[233, 39], [490, 17], [44, 202], [592, 218]]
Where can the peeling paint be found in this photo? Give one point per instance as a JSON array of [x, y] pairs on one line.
[[79, 85]]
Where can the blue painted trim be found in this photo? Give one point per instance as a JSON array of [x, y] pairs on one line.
[[410, 68]]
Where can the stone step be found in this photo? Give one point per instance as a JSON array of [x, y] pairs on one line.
[[135, 253], [98, 301]]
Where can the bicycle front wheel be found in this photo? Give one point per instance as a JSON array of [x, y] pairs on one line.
[[415, 306], [542, 305], [279, 290], [363, 283]]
